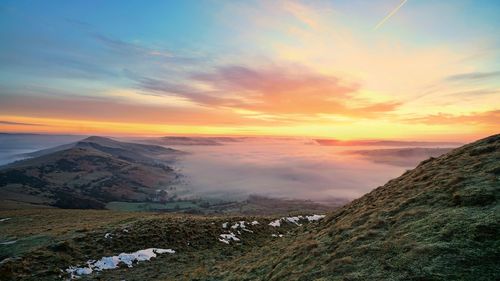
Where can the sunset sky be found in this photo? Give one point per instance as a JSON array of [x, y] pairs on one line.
[[336, 69]]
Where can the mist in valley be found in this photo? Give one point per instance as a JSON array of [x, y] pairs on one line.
[[287, 168]]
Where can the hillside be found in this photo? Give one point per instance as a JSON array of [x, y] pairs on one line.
[[439, 221], [88, 174]]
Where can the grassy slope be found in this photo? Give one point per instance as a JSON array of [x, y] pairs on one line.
[[53, 239], [440, 221]]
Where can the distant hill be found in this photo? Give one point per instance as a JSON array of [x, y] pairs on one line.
[[405, 157], [126, 150], [89, 173], [171, 140], [333, 142]]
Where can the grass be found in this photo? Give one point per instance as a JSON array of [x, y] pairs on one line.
[[147, 206], [54, 239]]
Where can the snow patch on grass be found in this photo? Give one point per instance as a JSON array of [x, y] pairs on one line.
[[114, 261], [276, 223], [240, 224], [296, 220], [315, 217], [226, 238]]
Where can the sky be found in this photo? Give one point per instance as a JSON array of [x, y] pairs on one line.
[[383, 69]]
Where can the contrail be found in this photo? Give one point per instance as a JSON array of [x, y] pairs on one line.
[[390, 15]]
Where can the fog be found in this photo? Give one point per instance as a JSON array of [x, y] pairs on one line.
[[13, 146], [281, 168]]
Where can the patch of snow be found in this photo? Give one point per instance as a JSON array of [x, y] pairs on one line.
[[254, 222], [75, 272], [163, 251], [113, 262], [125, 230], [107, 235], [8, 242], [226, 238], [294, 220], [108, 262], [275, 223], [240, 224], [224, 225], [223, 240], [315, 217], [4, 219]]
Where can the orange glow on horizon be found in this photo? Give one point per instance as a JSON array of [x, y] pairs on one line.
[[341, 132]]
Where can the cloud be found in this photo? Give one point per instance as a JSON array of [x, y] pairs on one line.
[[130, 49], [19, 123], [302, 13], [487, 118], [277, 89], [135, 50], [108, 109], [475, 93], [290, 89], [473, 76], [154, 86]]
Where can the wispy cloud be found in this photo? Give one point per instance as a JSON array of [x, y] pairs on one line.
[[3, 122], [475, 93], [487, 118], [473, 76], [271, 89]]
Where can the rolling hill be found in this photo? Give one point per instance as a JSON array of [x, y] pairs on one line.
[[89, 173]]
